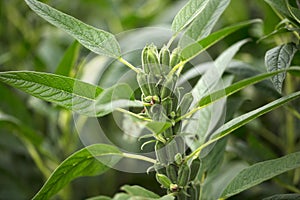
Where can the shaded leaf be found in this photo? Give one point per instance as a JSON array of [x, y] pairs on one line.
[[96, 40], [187, 14], [283, 197], [280, 6], [204, 23], [90, 161], [136, 190], [260, 172], [68, 60], [279, 58]]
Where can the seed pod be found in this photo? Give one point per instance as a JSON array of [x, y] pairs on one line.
[[161, 154], [178, 158], [168, 86], [164, 57], [168, 134], [152, 84], [167, 104], [172, 172], [195, 166], [143, 83], [163, 180], [185, 103], [172, 150], [145, 64], [192, 191], [183, 175], [153, 60], [175, 57]]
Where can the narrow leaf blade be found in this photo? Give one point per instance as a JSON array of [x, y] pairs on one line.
[[90, 161], [260, 172], [187, 14], [278, 58], [96, 40]]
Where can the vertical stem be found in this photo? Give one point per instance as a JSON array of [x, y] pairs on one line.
[[290, 125]]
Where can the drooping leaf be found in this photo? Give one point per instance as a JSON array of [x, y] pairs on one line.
[[196, 48], [283, 197], [70, 93], [90, 161], [187, 14], [279, 58], [204, 23], [136, 190], [260, 172], [68, 60], [96, 40]]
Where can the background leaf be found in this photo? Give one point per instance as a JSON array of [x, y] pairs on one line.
[[187, 14], [96, 40], [90, 161], [260, 172], [279, 58], [204, 23], [284, 197], [136, 190]]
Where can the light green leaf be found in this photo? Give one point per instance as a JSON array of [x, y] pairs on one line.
[[187, 14], [66, 92], [96, 40], [283, 197], [279, 58], [136, 190], [196, 48], [90, 161], [71, 94], [68, 60], [204, 23], [260, 172]]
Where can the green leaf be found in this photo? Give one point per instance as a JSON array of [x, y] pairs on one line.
[[136, 190], [90, 161], [295, 12], [66, 92], [283, 197], [68, 60], [260, 172], [187, 14], [71, 94], [280, 6], [214, 96], [99, 198], [196, 48], [204, 23], [96, 40], [279, 58]]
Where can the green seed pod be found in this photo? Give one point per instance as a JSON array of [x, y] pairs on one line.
[[163, 180], [168, 134], [185, 103], [145, 64], [161, 154], [164, 57], [167, 104], [172, 150], [172, 172], [192, 191], [178, 158], [168, 86], [183, 175], [175, 57], [152, 84], [195, 166], [143, 83], [153, 60]]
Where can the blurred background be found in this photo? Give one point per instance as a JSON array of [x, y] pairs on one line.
[[36, 136]]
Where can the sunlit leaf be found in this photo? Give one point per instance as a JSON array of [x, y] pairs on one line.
[[96, 40], [260, 172]]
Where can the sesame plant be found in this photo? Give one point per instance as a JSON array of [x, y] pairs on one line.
[[187, 158]]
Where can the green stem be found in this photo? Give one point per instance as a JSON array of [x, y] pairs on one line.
[[125, 62], [139, 157], [290, 125]]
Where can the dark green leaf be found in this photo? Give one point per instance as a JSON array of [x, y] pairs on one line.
[[96, 40], [90, 161], [284, 197], [136, 190], [279, 58], [260, 172]]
